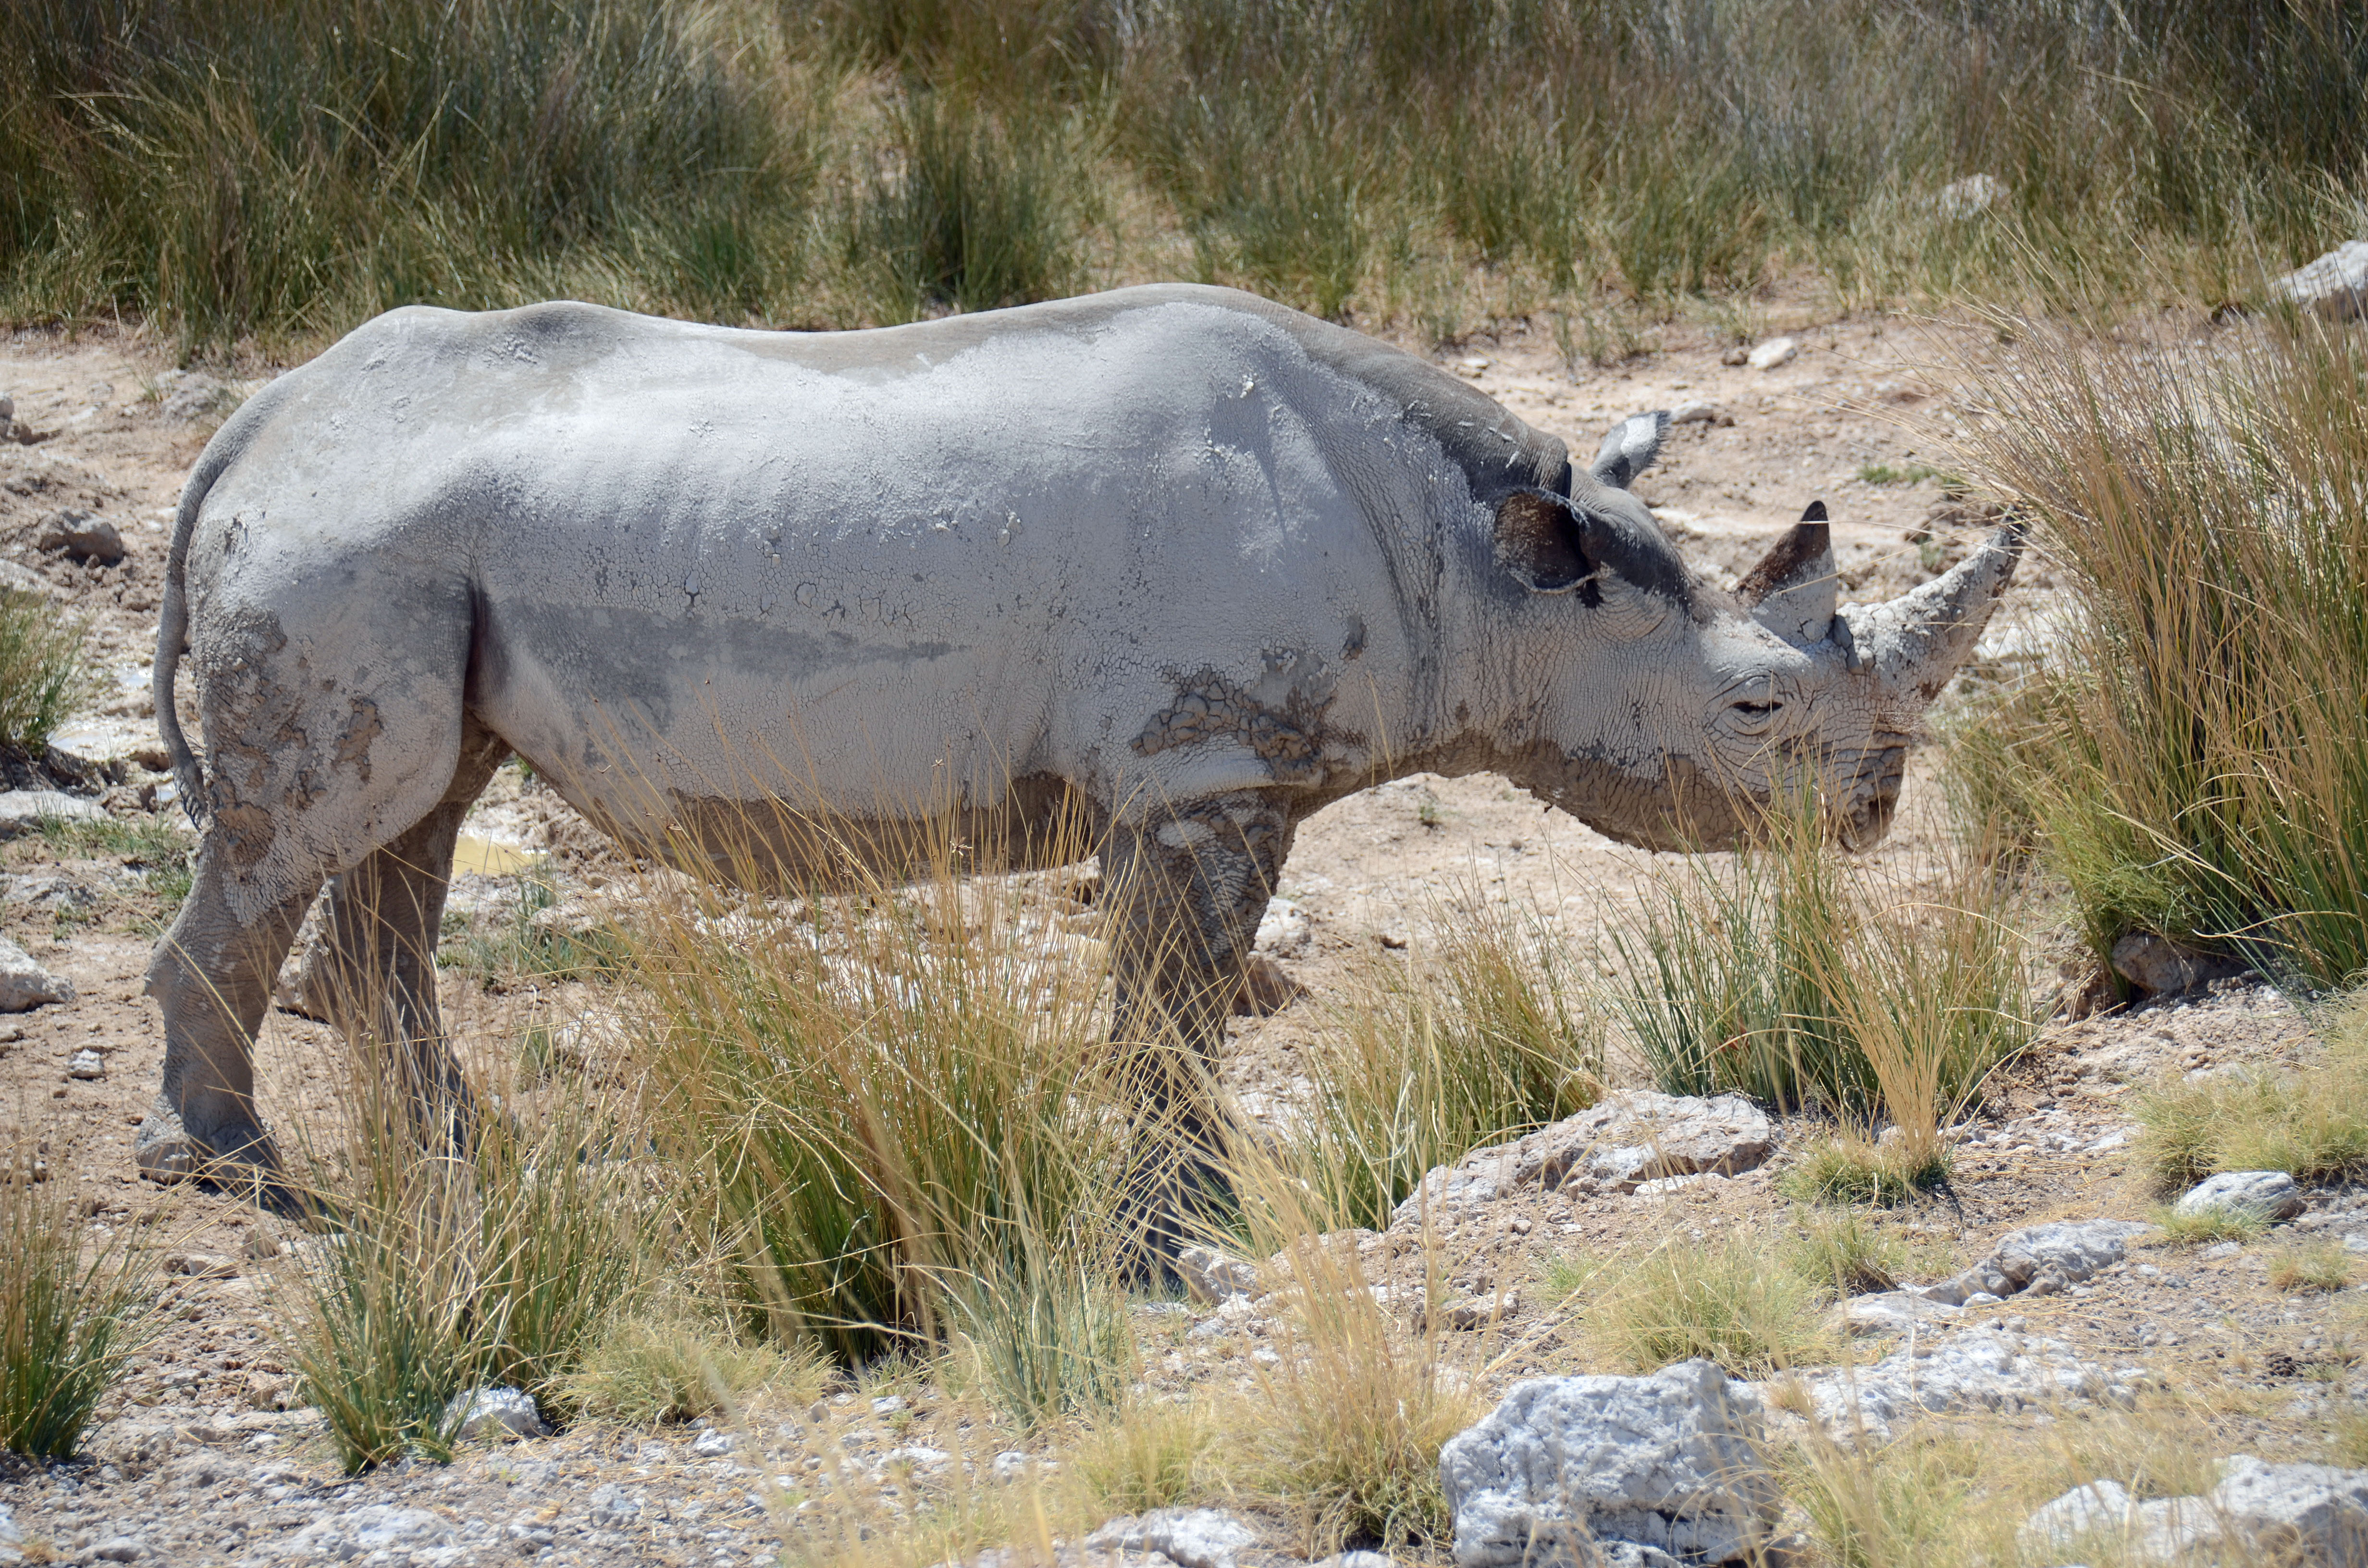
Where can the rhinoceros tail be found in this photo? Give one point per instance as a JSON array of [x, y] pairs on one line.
[[172, 636], [172, 610]]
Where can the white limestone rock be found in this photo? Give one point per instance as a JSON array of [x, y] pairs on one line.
[[1774, 352], [1983, 1369], [2285, 1512], [1671, 1461], [1628, 1140], [1212, 1278], [2269, 1196], [24, 810], [1194, 1537], [2335, 286], [493, 1416], [25, 985]]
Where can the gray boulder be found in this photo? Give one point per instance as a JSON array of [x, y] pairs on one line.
[[24, 810], [2156, 965], [2041, 1260], [25, 985], [1892, 1311], [2268, 1196], [1195, 1538], [493, 1416], [1671, 1461], [82, 535], [2335, 286]]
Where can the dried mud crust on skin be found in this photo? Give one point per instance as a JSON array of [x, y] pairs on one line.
[[195, 1463]]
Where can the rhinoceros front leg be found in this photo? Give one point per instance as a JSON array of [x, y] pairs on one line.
[[1185, 890]]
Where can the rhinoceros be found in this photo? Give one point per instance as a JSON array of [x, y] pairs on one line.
[[1173, 561]]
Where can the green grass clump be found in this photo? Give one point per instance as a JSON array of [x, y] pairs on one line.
[[1735, 1302], [2321, 1267], [1847, 1169], [2203, 1227], [1792, 976], [1494, 1036], [73, 1313], [672, 1362], [444, 1273], [1848, 1253], [1913, 473], [45, 671], [898, 1110], [1041, 1342], [2199, 769], [2311, 1123]]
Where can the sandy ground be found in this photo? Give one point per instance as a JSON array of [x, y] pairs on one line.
[[196, 1441]]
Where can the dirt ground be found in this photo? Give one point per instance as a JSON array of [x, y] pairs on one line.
[[196, 1460]]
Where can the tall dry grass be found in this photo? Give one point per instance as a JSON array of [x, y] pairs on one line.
[[444, 1268], [900, 1102], [1796, 975], [1491, 1032], [2194, 763], [233, 169]]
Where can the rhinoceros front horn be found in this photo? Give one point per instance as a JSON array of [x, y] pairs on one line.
[[1914, 643], [1794, 589]]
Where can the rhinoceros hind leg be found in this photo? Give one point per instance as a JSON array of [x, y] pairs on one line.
[[1187, 889], [211, 975], [376, 966]]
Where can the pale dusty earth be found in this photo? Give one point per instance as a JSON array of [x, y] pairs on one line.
[[195, 1462]]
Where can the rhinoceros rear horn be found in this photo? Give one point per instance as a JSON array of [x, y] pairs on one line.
[[1795, 588]]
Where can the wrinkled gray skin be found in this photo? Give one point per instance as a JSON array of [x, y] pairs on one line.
[[1174, 560]]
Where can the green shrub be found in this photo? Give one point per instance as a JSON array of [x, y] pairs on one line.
[[73, 1312]]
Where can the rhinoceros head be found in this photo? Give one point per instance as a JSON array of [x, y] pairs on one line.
[[1678, 713]]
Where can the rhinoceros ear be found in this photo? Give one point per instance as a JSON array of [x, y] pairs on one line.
[[1795, 588], [1537, 541], [1629, 449]]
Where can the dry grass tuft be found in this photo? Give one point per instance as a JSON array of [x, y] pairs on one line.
[[1493, 1035], [2320, 1267], [674, 1363], [2312, 1124]]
